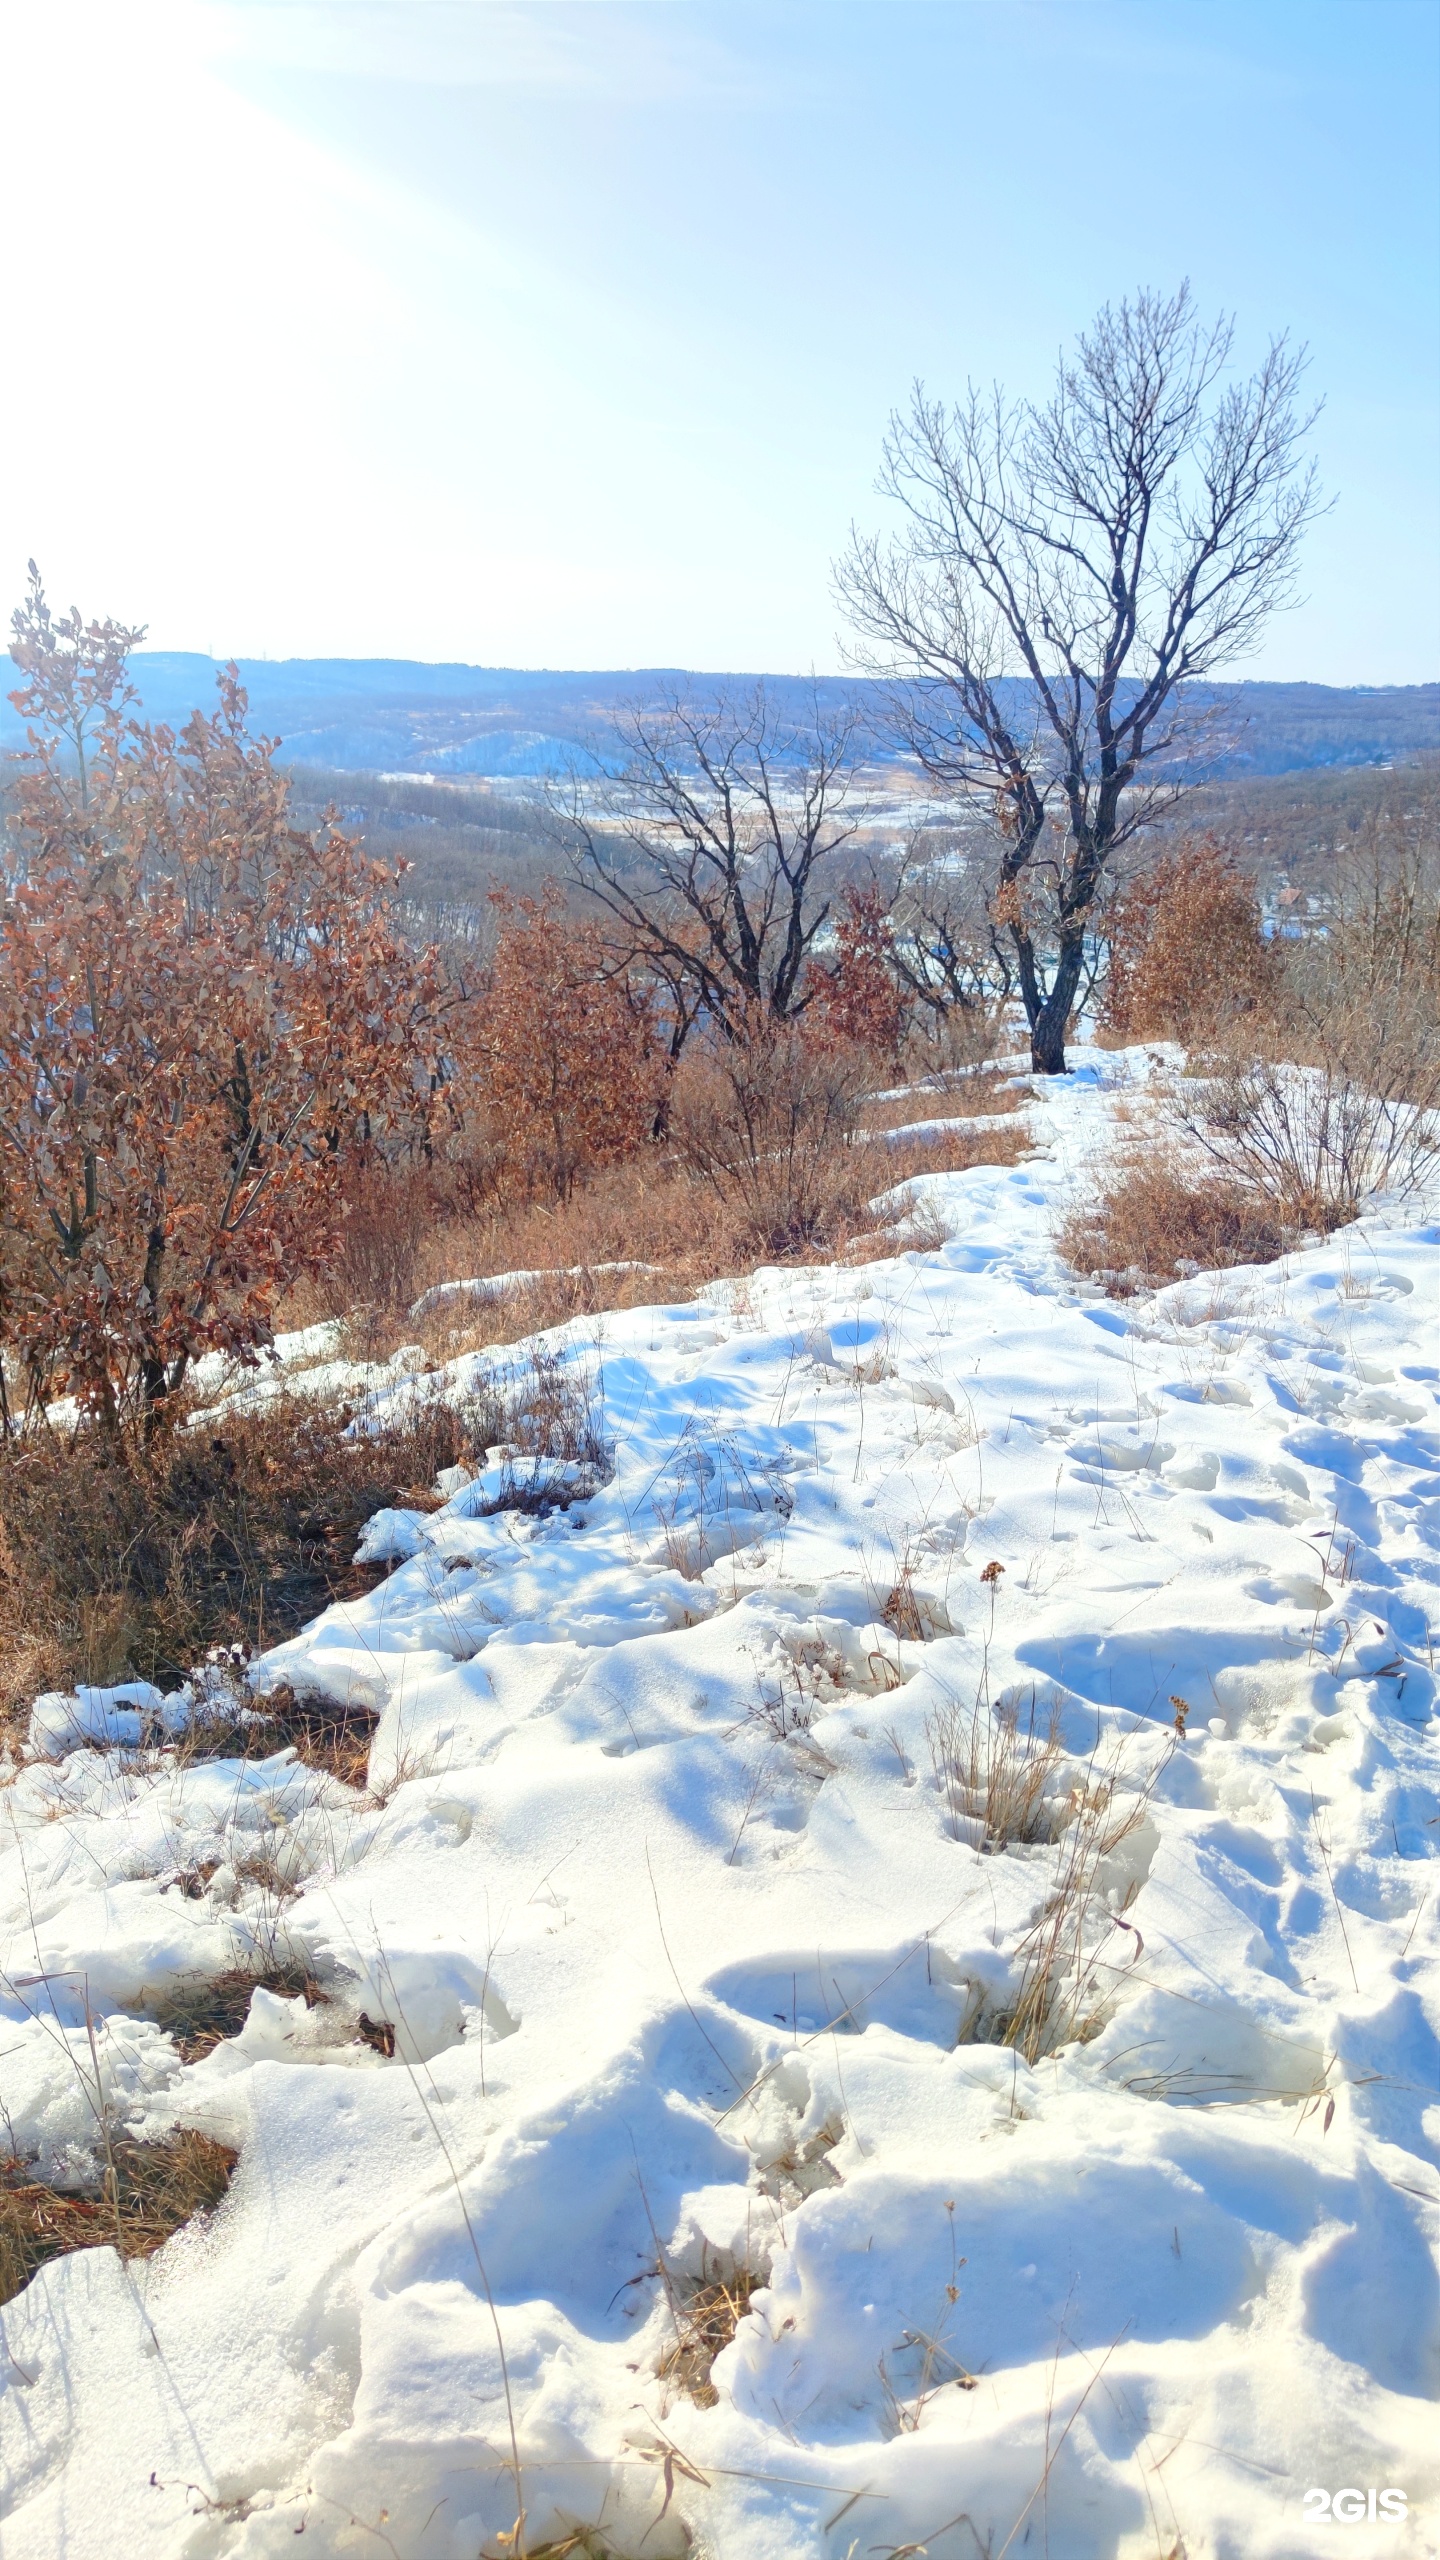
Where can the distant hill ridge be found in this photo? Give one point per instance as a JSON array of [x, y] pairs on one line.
[[402, 715]]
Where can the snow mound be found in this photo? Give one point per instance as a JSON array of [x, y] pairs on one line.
[[720, 1816]]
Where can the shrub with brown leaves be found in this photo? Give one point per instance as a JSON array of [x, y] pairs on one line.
[[1187, 951], [199, 1007], [858, 999], [560, 1053]]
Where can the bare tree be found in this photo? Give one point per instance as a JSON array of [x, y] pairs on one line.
[[1065, 574], [711, 848], [948, 953]]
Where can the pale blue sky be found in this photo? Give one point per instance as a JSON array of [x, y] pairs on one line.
[[564, 332]]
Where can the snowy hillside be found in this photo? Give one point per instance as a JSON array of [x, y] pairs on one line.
[[402, 715], [783, 1891]]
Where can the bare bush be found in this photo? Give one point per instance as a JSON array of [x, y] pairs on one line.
[[1316, 1143], [1328, 1094], [1379, 943], [768, 1118]]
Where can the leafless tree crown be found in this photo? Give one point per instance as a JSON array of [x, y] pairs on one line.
[[1063, 576], [710, 849]]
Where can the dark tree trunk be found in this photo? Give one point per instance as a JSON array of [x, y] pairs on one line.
[[1047, 1026], [154, 1389], [154, 1372]]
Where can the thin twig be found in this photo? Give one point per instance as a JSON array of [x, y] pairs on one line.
[[1334, 1896]]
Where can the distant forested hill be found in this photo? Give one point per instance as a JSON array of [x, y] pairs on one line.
[[399, 715]]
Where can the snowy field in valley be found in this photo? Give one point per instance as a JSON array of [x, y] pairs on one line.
[[1077, 2186]]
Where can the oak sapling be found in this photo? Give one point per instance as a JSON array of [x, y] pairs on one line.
[[559, 1052], [859, 997]]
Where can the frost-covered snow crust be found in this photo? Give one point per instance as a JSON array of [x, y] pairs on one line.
[[678, 1937]]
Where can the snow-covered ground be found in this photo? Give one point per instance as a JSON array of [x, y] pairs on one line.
[[693, 1963]]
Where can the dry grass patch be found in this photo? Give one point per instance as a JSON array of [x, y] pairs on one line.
[[1148, 1226], [334, 1738], [239, 1726], [970, 1097], [1006, 1143], [542, 1406], [706, 2314], [219, 1542], [207, 2010], [650, 1230], [542, 1299], [148, 2191], [645, 1212], [236, 1535]]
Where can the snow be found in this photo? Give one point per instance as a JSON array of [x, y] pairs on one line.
[[678, 1932]]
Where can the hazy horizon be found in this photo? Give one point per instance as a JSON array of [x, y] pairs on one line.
[[705, 675]]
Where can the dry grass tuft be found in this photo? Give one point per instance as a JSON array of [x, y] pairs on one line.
[[544, 1409], [1149, 1226], [148, 2191], [901, 1611], [584, 2542], [995, 1773], [707, 2314], [207, 2010], [1061, 1998]]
